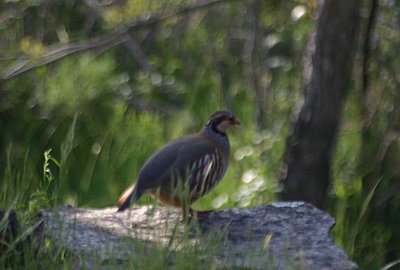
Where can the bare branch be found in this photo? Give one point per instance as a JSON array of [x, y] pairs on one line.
[[109, 40], [56, 52]]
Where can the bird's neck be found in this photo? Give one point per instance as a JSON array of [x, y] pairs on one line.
[[215, 135]]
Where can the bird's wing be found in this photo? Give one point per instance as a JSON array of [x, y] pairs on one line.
[[175, 159]]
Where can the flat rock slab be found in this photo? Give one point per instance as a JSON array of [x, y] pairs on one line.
[[283, 235]]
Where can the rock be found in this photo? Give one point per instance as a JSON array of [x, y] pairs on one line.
[[284, 235]]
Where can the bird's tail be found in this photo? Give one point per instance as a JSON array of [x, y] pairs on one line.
[[125, 199]]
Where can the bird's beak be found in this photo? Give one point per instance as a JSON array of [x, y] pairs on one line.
[[235, 121]]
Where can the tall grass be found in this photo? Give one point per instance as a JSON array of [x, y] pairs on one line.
[[26, 190], [91, 172]]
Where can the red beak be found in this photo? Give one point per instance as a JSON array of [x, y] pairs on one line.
[[235, 121]]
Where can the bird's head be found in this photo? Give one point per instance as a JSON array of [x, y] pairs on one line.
[[222, 120]]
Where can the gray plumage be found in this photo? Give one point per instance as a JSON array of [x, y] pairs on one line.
[[186, 168]]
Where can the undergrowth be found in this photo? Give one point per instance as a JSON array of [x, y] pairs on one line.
[[248, 182]]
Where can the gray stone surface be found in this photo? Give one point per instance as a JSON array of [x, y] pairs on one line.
[[281, 235]]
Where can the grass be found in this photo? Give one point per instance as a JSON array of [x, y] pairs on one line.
[[24, 252], [25, 190]]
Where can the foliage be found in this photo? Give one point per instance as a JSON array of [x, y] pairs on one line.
[[104, 111]]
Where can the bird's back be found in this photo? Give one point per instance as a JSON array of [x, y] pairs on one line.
[[173, 160]]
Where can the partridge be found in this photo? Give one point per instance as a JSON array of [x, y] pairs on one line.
[[187, 168]]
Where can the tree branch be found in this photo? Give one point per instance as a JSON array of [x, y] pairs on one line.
[[109, 40], [56, 52]]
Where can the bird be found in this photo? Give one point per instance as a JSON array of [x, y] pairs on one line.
[[186, 168]]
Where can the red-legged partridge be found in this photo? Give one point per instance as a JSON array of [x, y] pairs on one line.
[[187, 168]]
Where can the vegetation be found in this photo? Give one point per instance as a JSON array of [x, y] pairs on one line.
[[90, 89]]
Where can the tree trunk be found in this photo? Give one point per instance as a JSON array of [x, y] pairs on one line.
[[327, 70]]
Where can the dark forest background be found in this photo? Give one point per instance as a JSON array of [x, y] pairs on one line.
[[89, 89]]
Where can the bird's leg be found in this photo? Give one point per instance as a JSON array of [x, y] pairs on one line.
[[185, 213], [185, 201]]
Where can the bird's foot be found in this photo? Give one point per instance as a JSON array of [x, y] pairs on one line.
[[201, 215]]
